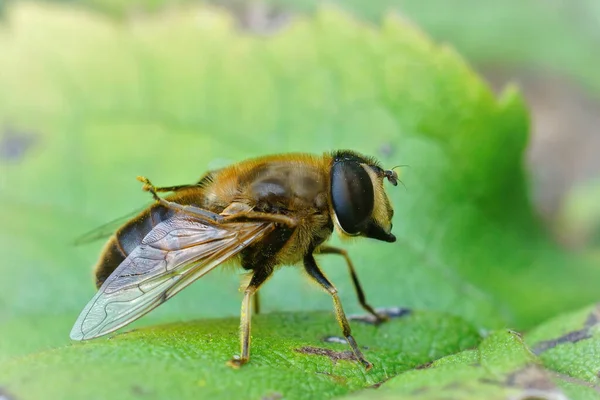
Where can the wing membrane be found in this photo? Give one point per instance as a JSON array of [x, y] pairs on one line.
[[105, 230], [173, 255]]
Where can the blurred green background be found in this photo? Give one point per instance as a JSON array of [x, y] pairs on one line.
[[500, 221]]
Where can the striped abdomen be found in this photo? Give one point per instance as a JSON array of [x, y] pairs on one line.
[[127, 238]]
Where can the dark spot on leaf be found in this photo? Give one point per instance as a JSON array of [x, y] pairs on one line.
[[334, 339], [573, 336], [139, 390], [396, 312], [531, 377], [333, 355], [257, 17], [387, 150], [593, 318], [424, 366], [391, 312], [14, 144], [342, 380], [489, 381], [4, 395], [272, 396], [339, 340], [420, 390], [451, 386], [378, 384], [533, 381]]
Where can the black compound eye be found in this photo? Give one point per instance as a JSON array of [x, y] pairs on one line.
[[352, 195]]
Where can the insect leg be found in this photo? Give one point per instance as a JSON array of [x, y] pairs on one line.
[[258, 278], [195, 211], [357, 286], [255, 216], [248, 216], [151, 188], [174, 188], [310, 265]]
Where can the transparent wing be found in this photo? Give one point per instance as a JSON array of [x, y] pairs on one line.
[[106, 230], [174, 254]]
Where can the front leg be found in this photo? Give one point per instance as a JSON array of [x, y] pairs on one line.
[[313, 270]]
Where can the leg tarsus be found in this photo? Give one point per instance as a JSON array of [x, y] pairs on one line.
[[236, 363], [149, 187]]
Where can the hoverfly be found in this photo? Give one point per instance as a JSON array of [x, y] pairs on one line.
[[259, 214]]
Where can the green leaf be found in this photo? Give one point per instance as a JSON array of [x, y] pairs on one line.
[[562, 366], [289, 358], [569, 344], [492, 372]]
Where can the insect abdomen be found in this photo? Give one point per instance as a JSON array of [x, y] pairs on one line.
[[127, 238]]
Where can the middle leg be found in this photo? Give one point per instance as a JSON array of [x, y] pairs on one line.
[[258, 278], [313, 270]]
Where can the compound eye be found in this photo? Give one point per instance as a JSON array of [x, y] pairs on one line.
[[352, 195]]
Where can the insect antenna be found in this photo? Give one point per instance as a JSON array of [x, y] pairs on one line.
[[396, 175]]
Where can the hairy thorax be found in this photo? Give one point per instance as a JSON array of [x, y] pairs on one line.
[[297, 188]]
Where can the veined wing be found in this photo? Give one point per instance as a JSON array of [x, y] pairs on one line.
[[105, 230], [174, 254]]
